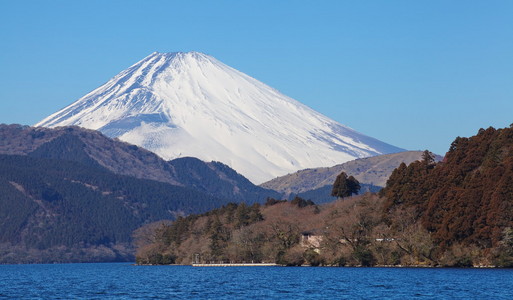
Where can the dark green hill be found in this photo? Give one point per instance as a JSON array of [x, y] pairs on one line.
[[72, 194], [65, 147], [216, 178], [92, 148], [55, 210]]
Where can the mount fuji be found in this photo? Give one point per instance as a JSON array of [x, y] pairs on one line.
[[190, 104]]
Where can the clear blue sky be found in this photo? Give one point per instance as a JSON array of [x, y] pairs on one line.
[[415, 74]]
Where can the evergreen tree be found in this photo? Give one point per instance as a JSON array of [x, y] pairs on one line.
[[242, 215], [428, 158], [345, 186], [354, 185]]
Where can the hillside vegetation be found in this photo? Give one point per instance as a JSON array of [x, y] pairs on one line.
[[468, 198], [347, 232], [62, 211], [92, 148], [457, 212], [70, 194]]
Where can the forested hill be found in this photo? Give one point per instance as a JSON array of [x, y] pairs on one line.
[[85, 146], [64, 211], [465, 199], [92, 148], [217, 179], [75, 191], [456, 213]]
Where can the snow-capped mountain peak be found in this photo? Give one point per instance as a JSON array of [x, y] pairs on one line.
[[190, 104]]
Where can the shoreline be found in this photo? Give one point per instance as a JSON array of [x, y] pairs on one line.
[[278, 265], [236, 265]]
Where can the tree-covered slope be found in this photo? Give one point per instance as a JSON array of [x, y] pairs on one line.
[[468, 197], [216, 178], [454, 213], [92, 148], [67, 206]]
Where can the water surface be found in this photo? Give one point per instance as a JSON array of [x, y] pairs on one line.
[[125, 281]]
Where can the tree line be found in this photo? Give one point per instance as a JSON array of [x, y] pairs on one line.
[[457, 212]]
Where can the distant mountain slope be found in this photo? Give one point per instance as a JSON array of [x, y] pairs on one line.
[[93, 149], [64, 211], [79, 144], [190, 104], [372, 170], [323, 194], [215, 178]]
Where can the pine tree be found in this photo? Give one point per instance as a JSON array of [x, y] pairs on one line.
[[428, 158], [345, 186]]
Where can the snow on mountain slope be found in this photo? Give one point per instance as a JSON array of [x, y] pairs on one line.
[[190, 104]]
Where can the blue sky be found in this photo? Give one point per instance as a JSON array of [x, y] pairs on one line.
[[415, 74]]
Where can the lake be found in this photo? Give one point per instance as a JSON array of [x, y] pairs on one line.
[[125, 281]]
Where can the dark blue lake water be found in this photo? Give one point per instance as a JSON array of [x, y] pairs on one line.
[[125, 281]]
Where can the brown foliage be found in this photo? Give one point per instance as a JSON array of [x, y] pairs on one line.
[[467, 198], [453, 213]]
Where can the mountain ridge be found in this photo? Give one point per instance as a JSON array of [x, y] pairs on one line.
[[373, 171], [92, 148]]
